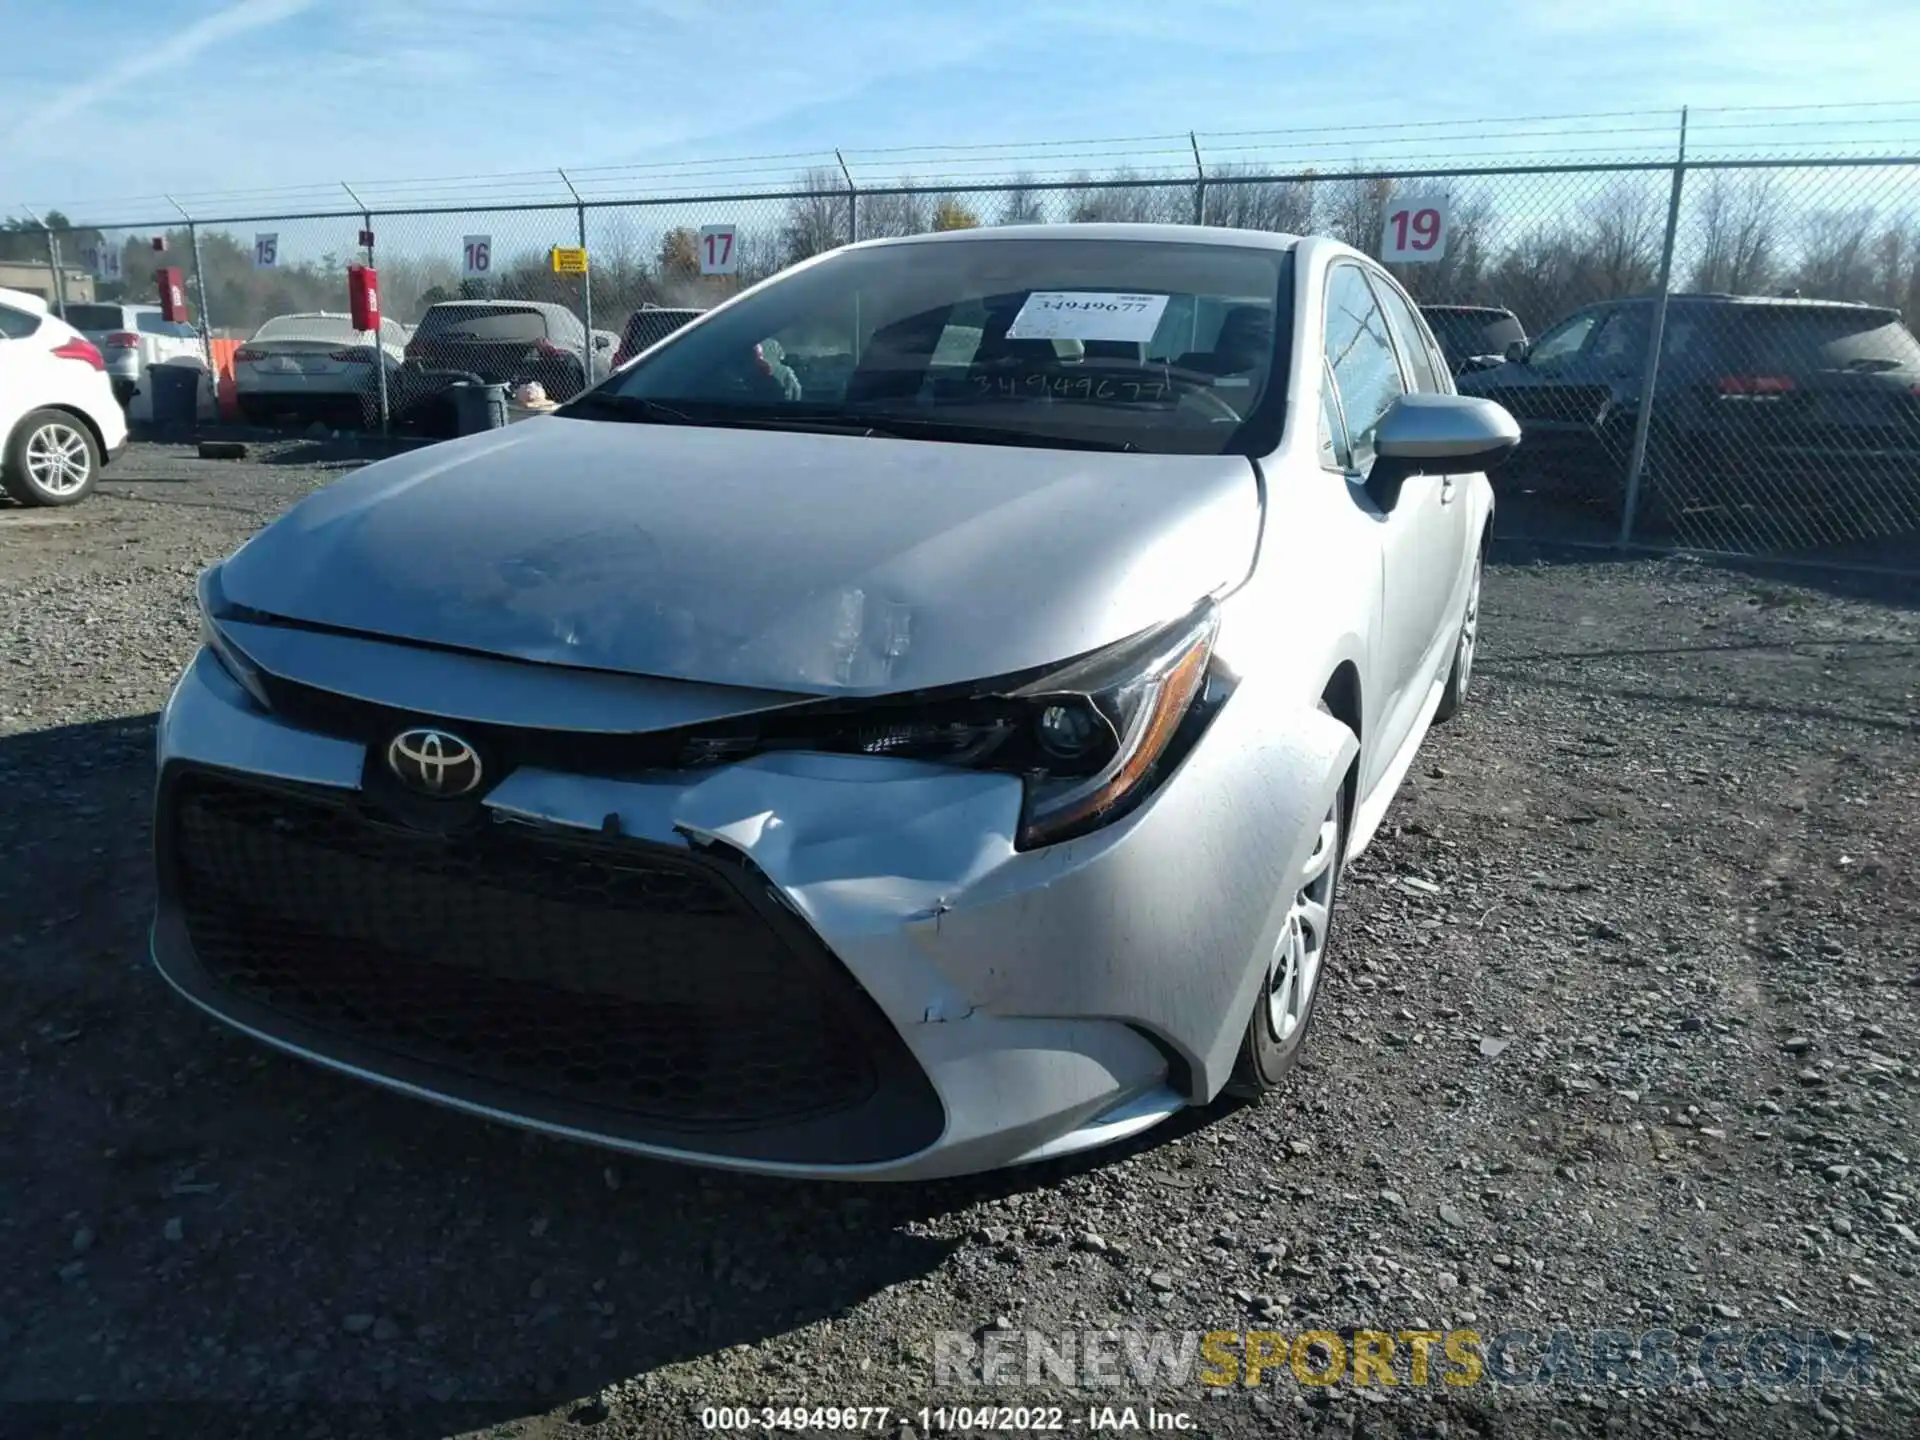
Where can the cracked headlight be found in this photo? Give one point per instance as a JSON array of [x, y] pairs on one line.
[[1089, 739]]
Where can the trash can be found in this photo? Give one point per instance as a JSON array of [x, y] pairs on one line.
[[478, 407], [176, 393]]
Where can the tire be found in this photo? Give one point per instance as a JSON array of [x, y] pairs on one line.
[[51, 459], [1461, 675], [1277, 1030]]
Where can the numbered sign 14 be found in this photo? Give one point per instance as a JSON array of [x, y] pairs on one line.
[[718, 254], [266, 251], [1416, 231], [476, 257]]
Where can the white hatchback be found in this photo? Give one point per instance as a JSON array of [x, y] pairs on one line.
[[59, 420]]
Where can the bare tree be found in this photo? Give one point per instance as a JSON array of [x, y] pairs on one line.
[[817, 219], [1019, 206], [1837, 255], [1355, 210], [1237, 198], [1122, 198], [1737, 238], [1627, 226], [894, 213]]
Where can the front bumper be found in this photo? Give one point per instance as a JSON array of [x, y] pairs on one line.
[[1028, 1004]]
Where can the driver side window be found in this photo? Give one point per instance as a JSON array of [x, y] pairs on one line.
[[1563, 341], [1365, 370]]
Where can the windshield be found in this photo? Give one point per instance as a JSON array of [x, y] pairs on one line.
[[1157, 346], [513, 326]]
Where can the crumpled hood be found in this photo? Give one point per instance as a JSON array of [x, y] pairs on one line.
[[817, 564]]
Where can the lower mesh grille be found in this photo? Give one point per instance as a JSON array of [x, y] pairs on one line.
[[598, 973]]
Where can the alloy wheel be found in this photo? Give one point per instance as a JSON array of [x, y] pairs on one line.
[[57, 459], [1303, 938]]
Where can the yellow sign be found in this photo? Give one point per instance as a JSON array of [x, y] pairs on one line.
[[569, 260]]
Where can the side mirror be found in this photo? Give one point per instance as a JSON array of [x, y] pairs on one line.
[[1436, 435], [601, 342], [1518, 351]]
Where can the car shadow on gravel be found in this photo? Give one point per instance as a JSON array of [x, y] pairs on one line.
[[264, 1231]]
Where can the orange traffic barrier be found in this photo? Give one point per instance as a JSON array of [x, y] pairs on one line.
[[223, 386]]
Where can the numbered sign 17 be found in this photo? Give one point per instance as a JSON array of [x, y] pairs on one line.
[[1416, 231], [718, 254], [266, 251], [476, 257]]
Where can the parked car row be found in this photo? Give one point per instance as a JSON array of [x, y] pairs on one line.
[[317, 366]]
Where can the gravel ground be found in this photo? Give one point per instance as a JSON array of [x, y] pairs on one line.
[[1621, 1036]]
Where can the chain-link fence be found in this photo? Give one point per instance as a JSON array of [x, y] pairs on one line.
[[1711, 356]]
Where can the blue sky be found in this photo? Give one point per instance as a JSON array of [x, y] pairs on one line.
[[113, 99]]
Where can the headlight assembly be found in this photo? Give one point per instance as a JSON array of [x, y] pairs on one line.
[[1089, 740], [231, 657]]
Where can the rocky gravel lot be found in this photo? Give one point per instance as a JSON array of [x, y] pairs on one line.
[[1622, 1036]]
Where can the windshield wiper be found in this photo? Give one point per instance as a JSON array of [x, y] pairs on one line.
[[918, 427], [599, 405]]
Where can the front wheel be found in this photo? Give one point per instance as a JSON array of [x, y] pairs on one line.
[[1277, 1031], [1461, 675], [50, 460]]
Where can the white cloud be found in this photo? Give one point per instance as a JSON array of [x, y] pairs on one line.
[[239, 18]]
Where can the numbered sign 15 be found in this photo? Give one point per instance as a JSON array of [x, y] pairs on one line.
[[266, 251], [718, 254], [1416, 231], [476, 257]]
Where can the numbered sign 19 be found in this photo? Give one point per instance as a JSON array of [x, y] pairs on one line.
[[266, 251], [718, 254], [1416, 231], [476, 257]]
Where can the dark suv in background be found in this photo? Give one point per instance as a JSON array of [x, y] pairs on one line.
[[505, 343], [1812, 398], [1474, 337], [648, 326]]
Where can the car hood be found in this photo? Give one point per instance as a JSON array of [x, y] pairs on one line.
[[814, 564]]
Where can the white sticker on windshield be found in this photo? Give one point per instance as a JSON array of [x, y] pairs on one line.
[[1087, 315]]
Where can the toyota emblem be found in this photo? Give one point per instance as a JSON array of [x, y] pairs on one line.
[[434, 763]]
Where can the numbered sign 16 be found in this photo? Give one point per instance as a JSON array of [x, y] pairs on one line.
[[266, 251], [1416, 231], [718, 254], [476, 257]]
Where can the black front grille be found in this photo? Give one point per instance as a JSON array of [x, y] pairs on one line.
[[601, 973]]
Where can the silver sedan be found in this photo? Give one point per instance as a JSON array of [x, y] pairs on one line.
[[912, 721]]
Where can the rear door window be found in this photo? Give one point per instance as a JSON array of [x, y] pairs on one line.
[[17, 324], [1361, 354], [1409, 336], [95, 318], [1793, 339]]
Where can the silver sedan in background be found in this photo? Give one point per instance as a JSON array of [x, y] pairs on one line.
[[912, 721], [316, 367]]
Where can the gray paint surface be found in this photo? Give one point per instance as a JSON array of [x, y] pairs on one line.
[[814, 563]]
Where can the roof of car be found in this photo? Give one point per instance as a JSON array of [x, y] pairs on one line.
[[1788, 302], [23, 300], [1182, 234], [547, 305], [1466, 310]]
